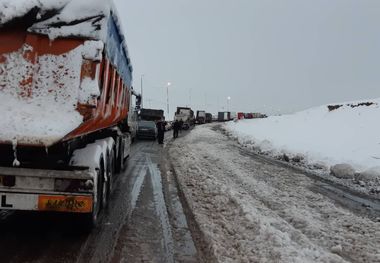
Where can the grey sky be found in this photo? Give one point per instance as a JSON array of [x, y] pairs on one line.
[[267, 55]]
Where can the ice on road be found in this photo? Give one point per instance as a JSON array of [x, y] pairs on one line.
[[250, 210]]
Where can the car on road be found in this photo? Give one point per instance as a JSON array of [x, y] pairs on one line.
[[168, 126], [146, 130]]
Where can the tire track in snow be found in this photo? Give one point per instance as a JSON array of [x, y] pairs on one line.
[[161, 211]]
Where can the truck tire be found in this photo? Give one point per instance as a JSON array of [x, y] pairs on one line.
[[119, 162], [91, 220], [110, 177], [109, 170]]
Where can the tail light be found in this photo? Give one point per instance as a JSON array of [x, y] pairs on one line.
[[9, 180]]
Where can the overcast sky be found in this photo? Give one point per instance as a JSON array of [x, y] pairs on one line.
[[267, 55]]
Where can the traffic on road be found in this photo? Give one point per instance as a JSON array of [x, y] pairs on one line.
[[231, 162]]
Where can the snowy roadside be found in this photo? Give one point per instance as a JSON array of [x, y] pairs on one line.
[[252, 211], [340, 143]]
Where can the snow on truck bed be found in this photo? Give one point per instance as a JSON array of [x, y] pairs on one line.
[[66, 14], [45, 111], [47, 114], [325, 135]]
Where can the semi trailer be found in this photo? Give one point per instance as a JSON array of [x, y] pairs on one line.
[[185, 115], [223, 116], [65, 98], [151, 114], [208, 117], [201, 117]]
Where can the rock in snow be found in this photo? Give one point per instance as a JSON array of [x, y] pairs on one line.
[[343, 171], [372, 175], [337, 249]]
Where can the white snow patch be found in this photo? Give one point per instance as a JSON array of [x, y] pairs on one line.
[[250, 210], [345, 135], [84, 29], [43, 110], [93, 16], [88, 156], [89, 91], [107, 145], [10, 9], [92, 50]]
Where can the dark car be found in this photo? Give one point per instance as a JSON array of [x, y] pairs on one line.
[[146, 130]]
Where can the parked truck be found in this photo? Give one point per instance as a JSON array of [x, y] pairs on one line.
[[133, 115], [201, 117], [186, 116], [208, 117], [151, 114], [65, 97], [223, 116]]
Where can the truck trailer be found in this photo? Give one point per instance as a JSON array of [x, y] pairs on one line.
[[186, 116], [201, 117], [208, 117], [151, 114], [223, 116], [65, 97]]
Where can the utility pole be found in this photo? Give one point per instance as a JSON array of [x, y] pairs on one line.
[[142, 97], [167, 98]]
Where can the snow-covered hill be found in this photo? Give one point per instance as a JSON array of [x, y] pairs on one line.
[[320, 137]]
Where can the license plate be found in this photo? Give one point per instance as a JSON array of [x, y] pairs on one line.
[[77, 204]]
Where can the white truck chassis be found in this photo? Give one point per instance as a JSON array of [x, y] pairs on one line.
[[83, 188], [46, 190]]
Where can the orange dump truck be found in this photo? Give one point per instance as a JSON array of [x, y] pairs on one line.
[[65, 96]]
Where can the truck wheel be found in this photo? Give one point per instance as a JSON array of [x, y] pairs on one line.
[[108, 176], [119, 162], [110, 173], [123, 159], [92, 219]]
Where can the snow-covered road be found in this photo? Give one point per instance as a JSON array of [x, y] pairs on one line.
[[250, 210]]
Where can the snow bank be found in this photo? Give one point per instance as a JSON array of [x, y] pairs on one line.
[[326, 135], [250, 210]]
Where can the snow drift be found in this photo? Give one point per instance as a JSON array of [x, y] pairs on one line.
[[325, 135]]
